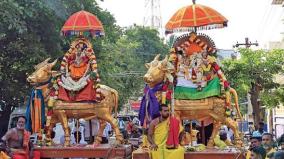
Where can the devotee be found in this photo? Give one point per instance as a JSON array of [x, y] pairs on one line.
[[18, 140], [164, 133], [107, 132], [255, 141], [278, 155], [267, 143], [258, 153], [260, 130], [281, 142], [94, 125]]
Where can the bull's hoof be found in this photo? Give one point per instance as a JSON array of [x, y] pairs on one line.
[[210, 144], [67, 142], [119, 139], [228, 143], [48, 142], [96, 144], [239, 143], [98, 140]]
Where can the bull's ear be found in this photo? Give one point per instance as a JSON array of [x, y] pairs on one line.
[[55, 73], [157, 57], [53, 63], [147, 65], [165, 61]]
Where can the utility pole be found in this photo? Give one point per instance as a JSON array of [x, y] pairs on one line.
[[153, 16], [247, 43]]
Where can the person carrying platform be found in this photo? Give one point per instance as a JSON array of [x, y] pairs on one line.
[[163, 136]]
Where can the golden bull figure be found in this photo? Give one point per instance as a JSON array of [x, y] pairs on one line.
[[214, 107], [62, 111]]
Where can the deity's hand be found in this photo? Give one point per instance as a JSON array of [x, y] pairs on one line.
[[153, 147]]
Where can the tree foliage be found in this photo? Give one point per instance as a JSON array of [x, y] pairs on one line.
[[253, 74], [30, 32]]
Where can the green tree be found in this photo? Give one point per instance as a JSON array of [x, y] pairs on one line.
[[253, 74], [121, 64], [151, 43]]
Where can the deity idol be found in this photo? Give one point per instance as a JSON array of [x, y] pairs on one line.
[[79, 74]]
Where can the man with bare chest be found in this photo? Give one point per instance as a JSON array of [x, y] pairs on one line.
[[17, 140], [158, 136]]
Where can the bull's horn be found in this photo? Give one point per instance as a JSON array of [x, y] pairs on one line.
[[53, 63], [157, 57], [165, 61], [42, 63]]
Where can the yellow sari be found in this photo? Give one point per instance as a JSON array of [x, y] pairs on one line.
[[160, 138]]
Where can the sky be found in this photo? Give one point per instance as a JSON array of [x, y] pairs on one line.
[[256, 19]]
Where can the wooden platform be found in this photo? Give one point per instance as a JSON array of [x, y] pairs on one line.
[[102, 151], [206, 154]]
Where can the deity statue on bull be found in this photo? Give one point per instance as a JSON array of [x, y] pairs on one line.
[[79, 74]]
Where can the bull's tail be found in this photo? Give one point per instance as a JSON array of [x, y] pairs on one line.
[[234, 93]]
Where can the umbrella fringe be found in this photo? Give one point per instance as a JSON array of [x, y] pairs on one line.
[[190, 29], [91, 33]]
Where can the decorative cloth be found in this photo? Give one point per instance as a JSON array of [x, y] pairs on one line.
[[149, 102], [35, 111]]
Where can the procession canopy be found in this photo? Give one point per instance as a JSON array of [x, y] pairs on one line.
[[79, 73], [195, 17], [197, 71], [83, 23]]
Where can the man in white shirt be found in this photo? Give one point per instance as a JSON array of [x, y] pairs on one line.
[[107, 132], [95, 125]]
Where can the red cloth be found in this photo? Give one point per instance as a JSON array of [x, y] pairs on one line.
[[36, 155], [173, 136], [19, 156], [86, 94]]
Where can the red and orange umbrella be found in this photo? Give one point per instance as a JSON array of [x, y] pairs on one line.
[[195, 17], [83, 22]]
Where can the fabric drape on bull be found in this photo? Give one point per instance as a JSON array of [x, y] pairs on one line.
[[153, 103], [35, 111], [213, 88]]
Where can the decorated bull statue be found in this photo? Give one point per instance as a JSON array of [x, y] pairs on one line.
[[44, 80], [159, 76], [192, 82]]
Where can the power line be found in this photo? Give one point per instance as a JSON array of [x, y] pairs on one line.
[[127, 74]]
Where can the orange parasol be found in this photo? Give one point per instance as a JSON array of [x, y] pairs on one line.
[[83, 22], [195, 17]]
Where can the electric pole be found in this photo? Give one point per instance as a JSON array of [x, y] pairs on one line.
[[247, 43], [153, 16]]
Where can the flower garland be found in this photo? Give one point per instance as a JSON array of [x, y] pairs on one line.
[[167, 91]]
